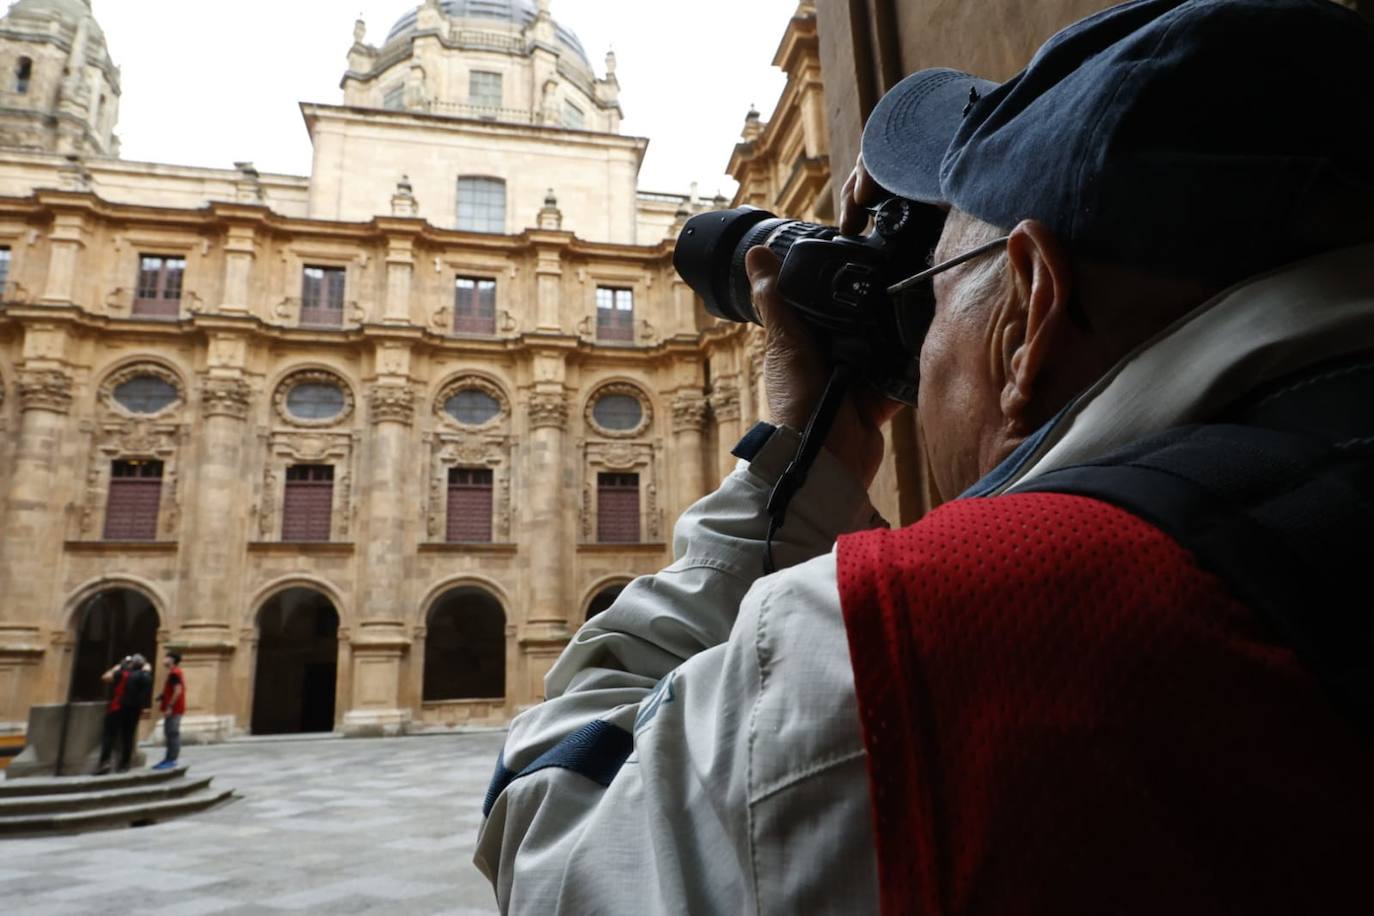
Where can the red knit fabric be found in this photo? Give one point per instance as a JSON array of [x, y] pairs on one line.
[[1065, 715]]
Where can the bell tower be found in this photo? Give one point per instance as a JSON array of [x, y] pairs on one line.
[[59, 89]]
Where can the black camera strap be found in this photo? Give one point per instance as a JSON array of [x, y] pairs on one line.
[[813, 439]]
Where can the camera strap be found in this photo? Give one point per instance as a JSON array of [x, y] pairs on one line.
[[813, 439]]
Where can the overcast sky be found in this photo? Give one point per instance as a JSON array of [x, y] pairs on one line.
[[209, 83]]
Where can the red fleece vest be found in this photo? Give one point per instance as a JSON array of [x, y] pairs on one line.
[[1064, 714]]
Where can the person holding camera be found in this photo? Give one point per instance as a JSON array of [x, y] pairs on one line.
[[132, 690], [1124, 668]]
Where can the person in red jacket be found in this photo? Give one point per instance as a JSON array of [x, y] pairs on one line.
[[172, 705]]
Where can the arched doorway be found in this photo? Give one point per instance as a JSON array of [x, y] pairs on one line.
[[465, 647], [297, 665], [109, 626], [604, 599]]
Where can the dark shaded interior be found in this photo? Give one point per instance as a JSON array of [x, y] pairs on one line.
[[297, 666], [465, 647], [111, 625], [604, 599]]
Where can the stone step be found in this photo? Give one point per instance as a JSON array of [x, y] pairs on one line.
[[133, 815], [103, 798], [44, 785]]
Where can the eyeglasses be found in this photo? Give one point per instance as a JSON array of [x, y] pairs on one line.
[[929, 272]]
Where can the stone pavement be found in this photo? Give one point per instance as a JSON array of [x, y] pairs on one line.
[[320, 826]]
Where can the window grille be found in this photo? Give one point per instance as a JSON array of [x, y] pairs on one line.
[[474, 306], [482, 204], [307, 510], [132, 505], [469, 505], [615, 314], [158, 293], [617, 508], [485, 89], [322, 296]]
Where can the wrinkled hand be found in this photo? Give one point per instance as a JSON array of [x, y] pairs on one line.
[[859, 192], [795, 374]]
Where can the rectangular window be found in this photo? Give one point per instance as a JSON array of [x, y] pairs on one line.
[[307, 510], [23, 74], [322, 296], [469, 505], [617, 508], [615, 314], [158, 293], [135, 494], [573, 116], [4, 271], [474, 306], [394, 99], [481, 204], [484, 89]]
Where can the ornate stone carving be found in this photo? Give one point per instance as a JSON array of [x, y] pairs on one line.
[[106, 392], [289, 447], [225, 397], [478, 383], [453, 450], [548, 409], [127, 437], [45, 389], [689, 412], [725, 403], [388, 403], [319, 377], [619, 456], [651, 511], [646, 407]]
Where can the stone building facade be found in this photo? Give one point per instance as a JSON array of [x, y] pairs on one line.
[[368, 445]]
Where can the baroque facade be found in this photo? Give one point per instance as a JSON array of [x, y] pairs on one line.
[[367, 445]]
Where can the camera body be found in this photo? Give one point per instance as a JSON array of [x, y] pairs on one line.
[[837, 284]]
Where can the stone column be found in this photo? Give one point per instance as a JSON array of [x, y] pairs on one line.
[[380, 641], [32, 535], [725, 405], [400, 268], [240, 249], [689, 460], [214, 553], [67, 239], [544, 515]]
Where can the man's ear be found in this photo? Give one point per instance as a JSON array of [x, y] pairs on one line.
[[1041, 282]]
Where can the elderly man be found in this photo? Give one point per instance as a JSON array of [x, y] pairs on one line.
[[1128, 670]]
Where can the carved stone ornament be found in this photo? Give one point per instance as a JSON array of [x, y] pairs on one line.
[[646, 407], [548, 409], [225, 397], [689, 412], [317, 377], [725, 403], [45, 389], [472, 383], [106, 393], [469, 450], [389, 403]]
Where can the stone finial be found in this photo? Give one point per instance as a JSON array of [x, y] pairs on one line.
[[73, 175], [430, 16], [550, 217], [248, 188], [753, 125], [544, 7], [359, 30], [610, 64], [403, 202]]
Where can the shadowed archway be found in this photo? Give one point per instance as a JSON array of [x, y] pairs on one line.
[[604, 599], [465, 647], [110, 625], [297, 664]]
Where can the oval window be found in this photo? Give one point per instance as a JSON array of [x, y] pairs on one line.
[[315, 401], [472, 407], [618, 412], [145, 394]]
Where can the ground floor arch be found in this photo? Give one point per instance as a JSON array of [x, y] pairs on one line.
[[604, 598], [106, 627], [296, 670], [465, 647]]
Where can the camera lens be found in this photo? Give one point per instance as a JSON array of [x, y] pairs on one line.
[[711, 250]]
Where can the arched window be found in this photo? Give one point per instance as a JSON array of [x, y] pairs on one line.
[[465, 647], [481, 204], [23, 74]]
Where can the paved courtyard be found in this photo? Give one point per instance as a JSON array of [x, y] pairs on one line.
[[321, 826]]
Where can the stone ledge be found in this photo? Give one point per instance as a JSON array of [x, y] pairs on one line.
[[467, 547], [291, 548], [642, 548], [121, 546]]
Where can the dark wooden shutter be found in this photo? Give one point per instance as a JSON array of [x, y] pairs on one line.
[[307, 510], [617, 508], [322, 296], [469, 505], [132, 506], [158, 292], [615, 315], [474, 306]]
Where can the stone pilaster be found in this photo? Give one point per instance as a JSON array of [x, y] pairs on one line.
[[690, 409], [67, 240], [725, 406], [544, 523], [380, 642]]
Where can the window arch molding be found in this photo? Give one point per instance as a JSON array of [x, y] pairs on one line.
[[313, 376], [473, 382], [622, 388], [141, 368]]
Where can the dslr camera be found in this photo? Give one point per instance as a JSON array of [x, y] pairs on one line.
[[838, 285]]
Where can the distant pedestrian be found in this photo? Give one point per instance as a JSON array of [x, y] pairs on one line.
[[118, 676], [172, 704]]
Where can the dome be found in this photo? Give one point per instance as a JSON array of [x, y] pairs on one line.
[[72, 10], [519, 13]]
